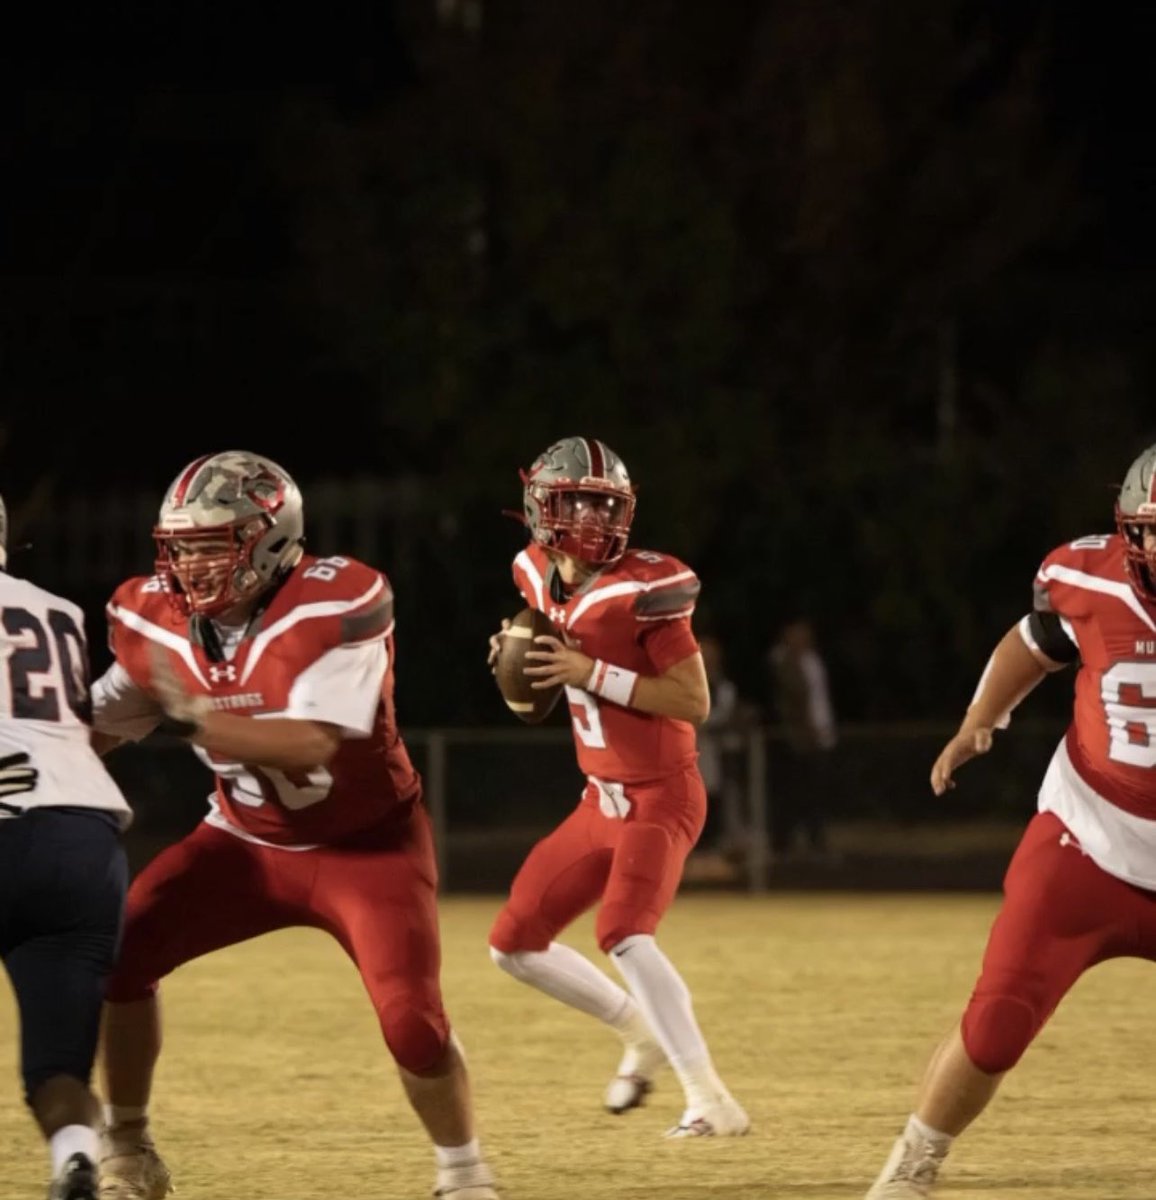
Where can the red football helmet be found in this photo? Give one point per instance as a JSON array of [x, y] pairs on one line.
[[577, 499], [1135, 513], [230, 526]]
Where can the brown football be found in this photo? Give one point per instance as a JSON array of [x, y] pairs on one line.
[[532, 705]]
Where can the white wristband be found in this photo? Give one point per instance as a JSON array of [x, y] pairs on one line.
[[612, 683]]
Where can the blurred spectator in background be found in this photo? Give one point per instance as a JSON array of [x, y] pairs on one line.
[[801, 787], [725, 828]]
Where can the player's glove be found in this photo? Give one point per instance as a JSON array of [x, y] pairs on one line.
[[17, 774], [184, 713]]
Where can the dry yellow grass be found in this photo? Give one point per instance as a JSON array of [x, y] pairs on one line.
[[820, 1009]]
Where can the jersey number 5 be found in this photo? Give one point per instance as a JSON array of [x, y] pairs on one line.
[[586, 717], [1128, 690]]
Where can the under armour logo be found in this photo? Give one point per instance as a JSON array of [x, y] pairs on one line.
[[557, 616], [223, 674]]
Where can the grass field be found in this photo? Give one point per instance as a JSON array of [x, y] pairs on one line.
[[820, 1010]]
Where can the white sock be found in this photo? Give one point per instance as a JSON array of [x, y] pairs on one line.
[[917, 1131], [458, 1156], [665, 1002], [568, 976], [73, 1139], [115, 1115]]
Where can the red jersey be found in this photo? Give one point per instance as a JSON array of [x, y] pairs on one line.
[[1112, 738], [322, 650], [635, 614]]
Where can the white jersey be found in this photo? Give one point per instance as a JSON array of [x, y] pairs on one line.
[[45, 706]]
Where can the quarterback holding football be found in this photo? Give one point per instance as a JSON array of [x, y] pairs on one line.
[[627, 656]]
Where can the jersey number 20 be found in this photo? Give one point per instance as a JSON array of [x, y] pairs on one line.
[[37, 677]]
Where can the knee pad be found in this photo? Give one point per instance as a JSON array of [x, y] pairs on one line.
[[417, 1035], [512, 933], [997, 1030]]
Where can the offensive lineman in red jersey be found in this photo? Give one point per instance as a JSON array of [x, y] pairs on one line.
[[317, 818], [1081, 887], [637, 687]]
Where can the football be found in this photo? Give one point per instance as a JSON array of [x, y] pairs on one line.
[[531, 705]]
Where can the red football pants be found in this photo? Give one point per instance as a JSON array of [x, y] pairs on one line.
[[1061, 915], [376, 894], [633, 864]]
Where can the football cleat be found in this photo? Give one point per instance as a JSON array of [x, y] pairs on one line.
[[134, 1173], [475, 1182], [634, 1080], [77, 1180], [909, 1173], [725, 1118]]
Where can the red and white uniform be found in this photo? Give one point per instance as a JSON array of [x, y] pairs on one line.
[[364, 867], [644, 804], [1081, 887], [321, 651], [636, 615], [1102, 779]]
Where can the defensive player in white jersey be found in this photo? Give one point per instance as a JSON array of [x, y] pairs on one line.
[[1081, 887], [636, 687], [62, 868], [277, 667]]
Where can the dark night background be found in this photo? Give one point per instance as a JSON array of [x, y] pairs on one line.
[[861, 293]]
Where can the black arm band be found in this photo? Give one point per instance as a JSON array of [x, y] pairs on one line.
[[1048, 634], [175, 728]]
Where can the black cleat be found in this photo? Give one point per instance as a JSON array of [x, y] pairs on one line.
[[78, 1180]]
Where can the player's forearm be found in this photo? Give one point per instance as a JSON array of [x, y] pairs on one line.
[[1012, 672], [280, 742], [104, 743]]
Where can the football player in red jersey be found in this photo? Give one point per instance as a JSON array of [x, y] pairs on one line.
[[1081, 887], [317, 818], [637, 688]]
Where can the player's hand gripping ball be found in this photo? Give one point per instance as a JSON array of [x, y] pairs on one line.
[[508, 661]]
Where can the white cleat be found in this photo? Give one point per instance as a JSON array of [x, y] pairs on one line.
[[475, 1182], [910, 1172], [634, 1080], [134, 1173], [725, 1118]]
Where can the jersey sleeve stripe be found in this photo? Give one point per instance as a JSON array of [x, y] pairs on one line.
[[666, 616], [526, 565], [155, 633], [1094, 583], [306, 612], [625, 588], [669, 600], [373, 623]]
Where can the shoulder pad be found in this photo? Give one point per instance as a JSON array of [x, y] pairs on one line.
[[143, 594], [316, 580], [1097, 555], [328, 602], [667, 587], [530, 570], [371, 620]]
